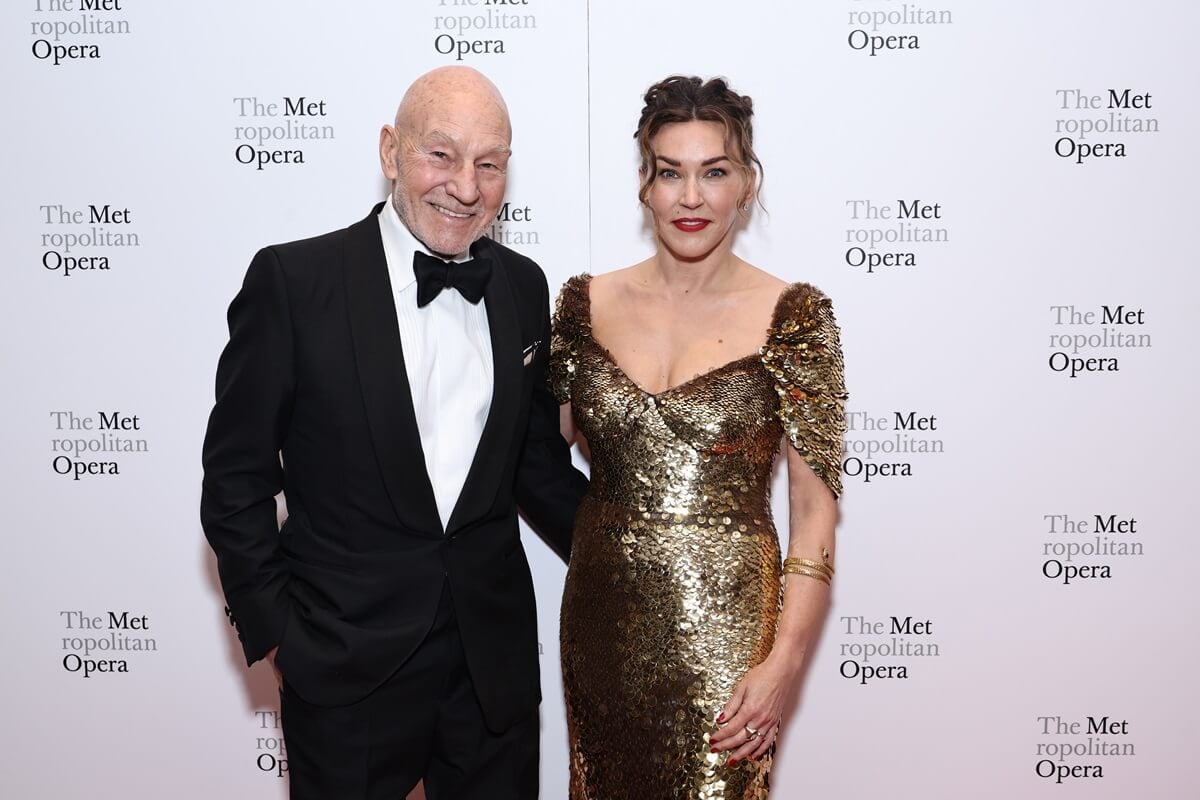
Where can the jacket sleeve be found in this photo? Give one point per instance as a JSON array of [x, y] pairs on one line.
[[548, 486], [242, 468]]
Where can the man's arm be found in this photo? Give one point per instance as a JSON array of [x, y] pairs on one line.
[[242, 470], [548, 486]]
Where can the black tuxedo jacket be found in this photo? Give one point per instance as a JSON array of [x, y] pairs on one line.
[[312, 399]]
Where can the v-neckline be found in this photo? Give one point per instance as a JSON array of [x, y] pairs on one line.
[[670, 389], [608, 356]]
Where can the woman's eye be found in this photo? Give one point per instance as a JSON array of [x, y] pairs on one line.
[[716, 172], [438, 154], [668, 173]]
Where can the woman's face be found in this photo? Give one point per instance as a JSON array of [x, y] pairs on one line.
[[697, 189]]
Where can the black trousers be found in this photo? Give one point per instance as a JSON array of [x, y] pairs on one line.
[[423, 723]]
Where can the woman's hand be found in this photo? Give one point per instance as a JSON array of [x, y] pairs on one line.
[[756, 707]]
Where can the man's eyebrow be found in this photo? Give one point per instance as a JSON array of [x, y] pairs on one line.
[[438, 137]]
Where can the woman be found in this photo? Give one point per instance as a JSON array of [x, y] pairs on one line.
[[680, 640]]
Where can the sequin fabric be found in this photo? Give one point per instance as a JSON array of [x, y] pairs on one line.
[[673, 589]]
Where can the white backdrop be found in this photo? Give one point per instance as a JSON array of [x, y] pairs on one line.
[[977, 530]]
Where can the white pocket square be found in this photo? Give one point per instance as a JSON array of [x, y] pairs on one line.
[[527, 353]]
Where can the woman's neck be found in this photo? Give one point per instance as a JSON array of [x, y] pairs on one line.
[[716, 272]]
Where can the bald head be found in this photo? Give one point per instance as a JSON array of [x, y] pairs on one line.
[[447, 157], [451, 86]]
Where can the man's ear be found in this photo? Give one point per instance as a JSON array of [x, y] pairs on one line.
[[389, 147]]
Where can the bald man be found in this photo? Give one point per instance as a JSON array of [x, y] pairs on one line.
[[388, 379]]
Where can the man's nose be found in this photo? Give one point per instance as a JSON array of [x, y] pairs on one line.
[[463, 185]]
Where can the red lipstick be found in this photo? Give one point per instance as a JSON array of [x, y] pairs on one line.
[[691, 224]]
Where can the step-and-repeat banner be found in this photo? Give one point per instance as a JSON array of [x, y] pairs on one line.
[[999, 197]]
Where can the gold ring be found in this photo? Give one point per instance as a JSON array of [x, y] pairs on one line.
[[750, 732]]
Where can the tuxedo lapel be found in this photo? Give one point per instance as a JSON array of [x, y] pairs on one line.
[[491, 456], [384, 380]]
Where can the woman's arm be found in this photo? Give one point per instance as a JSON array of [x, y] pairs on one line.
[[566, 423], [758, 700]]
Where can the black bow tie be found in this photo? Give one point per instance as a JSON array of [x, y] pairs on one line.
[[470, 278]]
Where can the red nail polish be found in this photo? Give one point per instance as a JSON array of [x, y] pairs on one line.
[[722, 717], [733, 762]]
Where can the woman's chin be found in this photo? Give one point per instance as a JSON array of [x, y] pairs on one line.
[[689, 250]]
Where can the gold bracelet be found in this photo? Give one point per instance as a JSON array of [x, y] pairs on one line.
[[808, 562], [814, 577], [795, 569]]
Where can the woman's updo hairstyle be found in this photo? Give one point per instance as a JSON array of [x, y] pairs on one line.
[[683, 99]]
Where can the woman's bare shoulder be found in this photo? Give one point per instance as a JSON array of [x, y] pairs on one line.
[[617, 283]]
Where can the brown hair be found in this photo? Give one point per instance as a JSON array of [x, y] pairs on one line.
[[681, 98]]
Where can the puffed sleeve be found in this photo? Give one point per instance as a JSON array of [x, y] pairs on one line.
[[804, 356], [569, 326]]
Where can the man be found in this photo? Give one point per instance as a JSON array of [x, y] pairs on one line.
[[389, 379]]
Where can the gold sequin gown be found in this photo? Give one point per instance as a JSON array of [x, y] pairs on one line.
[[673, 590]]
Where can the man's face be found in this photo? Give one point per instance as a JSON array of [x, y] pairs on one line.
[[448, 162]]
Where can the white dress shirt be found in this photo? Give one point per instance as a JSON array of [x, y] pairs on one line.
[[448, 357]]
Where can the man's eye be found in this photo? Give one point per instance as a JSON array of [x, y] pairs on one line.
[[438, 154]]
